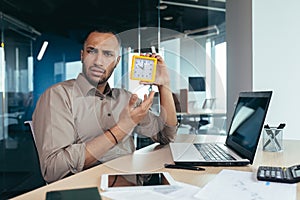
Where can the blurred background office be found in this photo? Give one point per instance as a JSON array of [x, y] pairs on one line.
[[214, 48], [41, 43]]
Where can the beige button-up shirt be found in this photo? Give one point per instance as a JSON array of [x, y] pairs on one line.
[[73, 112]]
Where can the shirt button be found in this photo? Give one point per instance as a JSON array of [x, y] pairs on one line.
[[108, 114]]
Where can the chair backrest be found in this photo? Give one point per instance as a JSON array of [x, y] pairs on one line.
[[176, 102], [31, 128], [209, 103], [29, 122]]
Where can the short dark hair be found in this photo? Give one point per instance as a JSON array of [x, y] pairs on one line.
[[102, 30]]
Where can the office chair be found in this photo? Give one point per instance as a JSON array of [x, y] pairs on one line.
[[207, 104], [29, 123], [31, 129], [17, 129], [22, 172]]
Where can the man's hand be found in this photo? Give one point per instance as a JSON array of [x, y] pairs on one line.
[[162, 77], [132, 114], [162, 80]]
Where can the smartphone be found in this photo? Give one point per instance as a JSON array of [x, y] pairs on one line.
[[136, 180]]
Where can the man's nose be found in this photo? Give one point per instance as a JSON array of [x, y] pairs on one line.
[[100, 59]]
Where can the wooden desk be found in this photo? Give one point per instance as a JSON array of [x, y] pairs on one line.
[[153, 157]]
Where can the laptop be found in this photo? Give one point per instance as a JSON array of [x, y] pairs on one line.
[[242, 137]]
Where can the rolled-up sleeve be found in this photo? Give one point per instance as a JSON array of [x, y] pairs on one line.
[[59, 151], [166, 135], [155, 127]]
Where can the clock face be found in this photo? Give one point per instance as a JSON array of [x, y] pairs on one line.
[[143, 68]]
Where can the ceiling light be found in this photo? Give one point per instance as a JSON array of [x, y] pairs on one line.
[[168, 18], [207, 31], [193, 6], [162, 7], [42, 51]]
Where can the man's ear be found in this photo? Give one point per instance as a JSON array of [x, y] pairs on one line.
[[81, 56], [118, 60]]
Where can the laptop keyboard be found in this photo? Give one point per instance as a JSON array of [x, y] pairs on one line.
[[213, 152]]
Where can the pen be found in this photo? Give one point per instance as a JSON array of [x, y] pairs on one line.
[[188, 167]]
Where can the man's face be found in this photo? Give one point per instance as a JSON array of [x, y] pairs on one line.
[[99, 57]]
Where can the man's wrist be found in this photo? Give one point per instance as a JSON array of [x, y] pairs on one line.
[[118, 132], [113, 135], [165, 87]]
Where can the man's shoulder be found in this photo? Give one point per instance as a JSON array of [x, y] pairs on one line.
[[61, 86]]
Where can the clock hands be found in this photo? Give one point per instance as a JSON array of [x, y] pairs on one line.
[[142, 67]]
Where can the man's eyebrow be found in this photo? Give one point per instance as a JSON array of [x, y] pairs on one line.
[[90, 47], [108, 51], [111, 51]]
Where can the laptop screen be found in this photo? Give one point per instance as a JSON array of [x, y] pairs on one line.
[[247, 122]]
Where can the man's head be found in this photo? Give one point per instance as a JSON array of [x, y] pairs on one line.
[[99, 56]]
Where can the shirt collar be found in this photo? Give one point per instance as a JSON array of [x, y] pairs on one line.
[[88, 89]]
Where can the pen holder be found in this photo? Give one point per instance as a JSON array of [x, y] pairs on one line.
[[272, 139]]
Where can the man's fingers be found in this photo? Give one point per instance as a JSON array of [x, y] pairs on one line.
[[148, 100], [151, 95], [133, 99], [145, 105]]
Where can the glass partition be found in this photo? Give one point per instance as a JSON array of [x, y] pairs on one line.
[[17, 174], [189, 53]]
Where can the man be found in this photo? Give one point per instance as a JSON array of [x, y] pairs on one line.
[[83, 122]]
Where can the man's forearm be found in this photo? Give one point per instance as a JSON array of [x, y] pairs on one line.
[[97, 147], [168, 110]]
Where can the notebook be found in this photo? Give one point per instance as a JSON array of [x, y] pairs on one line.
[[91, 193], [242, 137]]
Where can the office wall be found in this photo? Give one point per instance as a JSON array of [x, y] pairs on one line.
[[171, 54], [239, 50], [59, 50], [185, 57], [276, 52], [193, 60], [263, 50]]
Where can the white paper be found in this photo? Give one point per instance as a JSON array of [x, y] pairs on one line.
[[135, 195], [232, 184], [186, 192], [183, 191]]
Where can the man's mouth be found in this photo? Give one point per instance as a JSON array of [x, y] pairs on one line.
[[97, 71]]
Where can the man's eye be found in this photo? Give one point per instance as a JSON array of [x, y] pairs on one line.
[[108, 54], [91, 51]]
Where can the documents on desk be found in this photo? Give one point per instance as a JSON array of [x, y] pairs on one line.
[[227, 185], [180, 192], [232, 184]]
